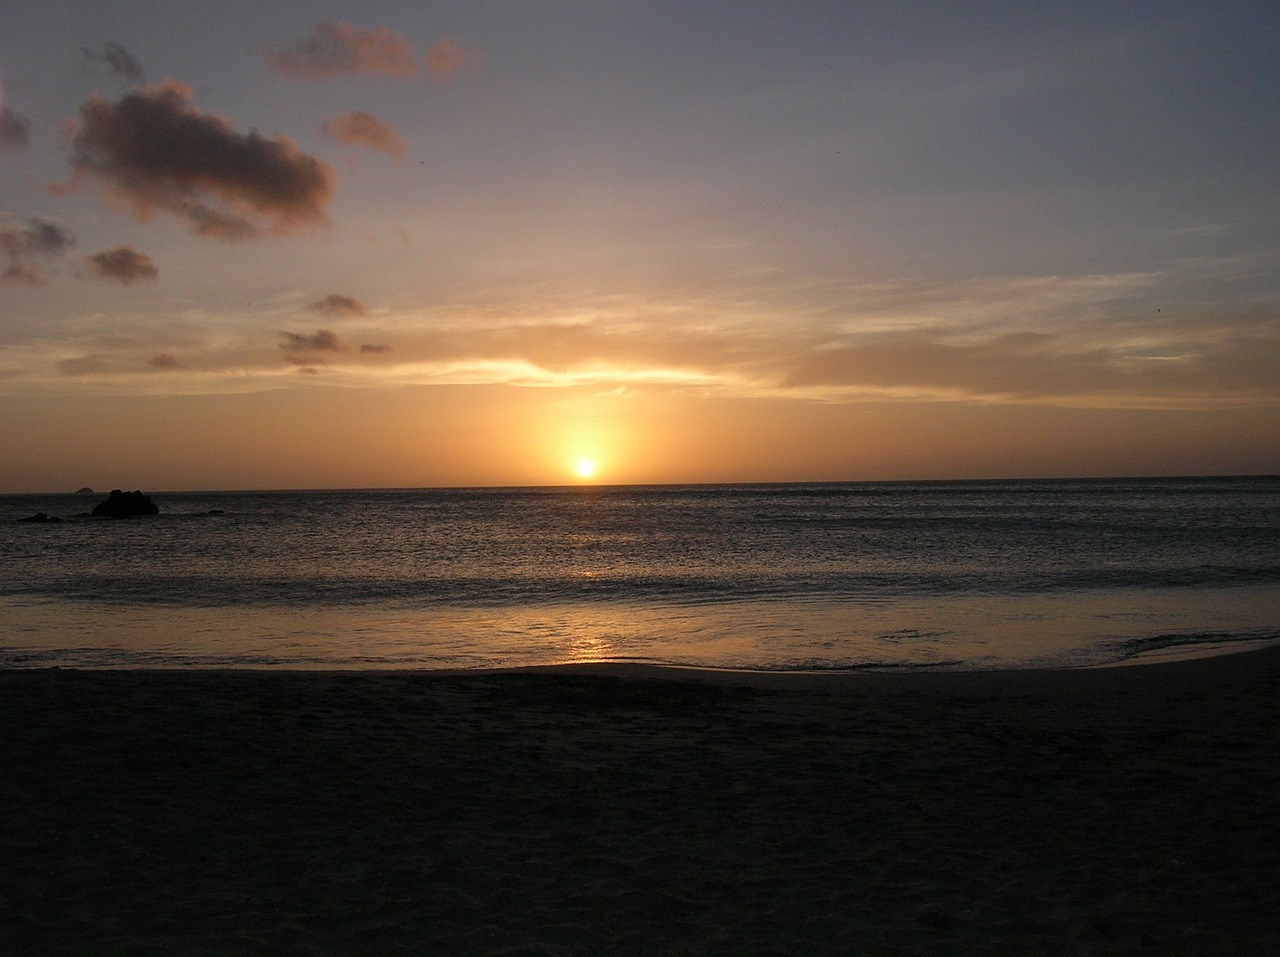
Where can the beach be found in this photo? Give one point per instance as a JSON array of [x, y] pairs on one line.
[[615, 809]]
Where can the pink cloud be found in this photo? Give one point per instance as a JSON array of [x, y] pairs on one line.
[[339, 49], [361, 129], [447, 59]]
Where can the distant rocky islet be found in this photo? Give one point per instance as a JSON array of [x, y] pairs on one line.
[[125, 505], [119, 504]]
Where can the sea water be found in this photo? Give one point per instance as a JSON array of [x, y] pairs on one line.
[[938, 575]]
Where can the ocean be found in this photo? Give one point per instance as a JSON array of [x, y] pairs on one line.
[[857, 576]]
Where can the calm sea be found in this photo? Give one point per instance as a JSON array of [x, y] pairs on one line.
[[955, 575]]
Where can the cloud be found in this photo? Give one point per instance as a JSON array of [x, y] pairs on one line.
[[120, 60], [446, 59], [15, 129], [1068, 342], [24, 246], [155, 151], [166, 362], [361, 129], [322, 341], [336, 305], [122, 263], [339, 49], [1078, 368], [1082, 341]]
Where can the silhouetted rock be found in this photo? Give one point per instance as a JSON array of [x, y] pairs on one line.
[[125, 505], [40, 517], [84, 491]]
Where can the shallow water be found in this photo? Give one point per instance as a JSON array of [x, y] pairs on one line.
[[897, 575]]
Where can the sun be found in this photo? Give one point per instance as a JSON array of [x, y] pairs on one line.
[[585, 468]]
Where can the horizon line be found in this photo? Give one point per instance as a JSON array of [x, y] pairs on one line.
[[605, 486]]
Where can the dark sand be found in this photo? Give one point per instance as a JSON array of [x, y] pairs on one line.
[[637, 811]]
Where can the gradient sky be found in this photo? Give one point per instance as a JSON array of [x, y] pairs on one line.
[[248, 245]]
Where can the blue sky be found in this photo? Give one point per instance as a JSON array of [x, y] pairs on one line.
[[771, 239]]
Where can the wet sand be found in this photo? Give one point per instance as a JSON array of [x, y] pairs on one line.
[[623, 810]]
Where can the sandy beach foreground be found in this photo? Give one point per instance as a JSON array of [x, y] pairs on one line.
[[641, 811]]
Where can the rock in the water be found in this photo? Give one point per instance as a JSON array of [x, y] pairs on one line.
[[125, 505], [84, 491], [40, 517]]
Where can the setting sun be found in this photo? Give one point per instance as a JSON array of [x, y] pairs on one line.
[[585, 468]]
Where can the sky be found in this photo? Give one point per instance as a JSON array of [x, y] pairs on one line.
[[406, 244]]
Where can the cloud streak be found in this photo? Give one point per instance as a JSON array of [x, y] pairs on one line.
[[27, 248], [340, 49], [122, 264], [992, 342], [1093, 347], [1047, 368], [361, 129], [322, 341], [154, 151], [447, 59]]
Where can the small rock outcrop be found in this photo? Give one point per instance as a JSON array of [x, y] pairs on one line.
[[125, 505], [84, 491], [40, 517]]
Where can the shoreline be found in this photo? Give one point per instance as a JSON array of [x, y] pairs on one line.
[[1267, 652], [1191, 659], [630, 810], [1189, 651]]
